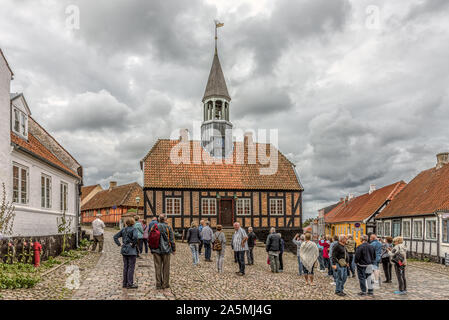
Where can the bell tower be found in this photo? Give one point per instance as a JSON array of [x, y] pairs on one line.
[[216, 129]]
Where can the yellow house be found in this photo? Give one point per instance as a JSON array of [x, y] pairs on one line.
[[356, 215]]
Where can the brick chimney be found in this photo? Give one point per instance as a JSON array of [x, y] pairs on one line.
[[442, 159], [372, 188], [248, 138], [112, 184]]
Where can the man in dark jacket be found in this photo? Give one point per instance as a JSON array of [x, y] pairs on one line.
[[161, 255], [365, 256], [251, 243], [340, 264], [273, 247]]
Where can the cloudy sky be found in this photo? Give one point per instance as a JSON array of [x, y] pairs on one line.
[[358, 89]]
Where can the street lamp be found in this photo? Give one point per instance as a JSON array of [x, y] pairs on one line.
[[137, 201]]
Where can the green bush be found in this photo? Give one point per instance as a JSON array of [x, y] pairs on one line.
[[18, 280]]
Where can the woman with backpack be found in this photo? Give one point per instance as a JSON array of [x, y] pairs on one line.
[[399, 258], [193, 239], [218, 245], [129, 251]]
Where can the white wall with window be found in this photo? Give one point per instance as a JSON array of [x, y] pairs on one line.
[[243, 206], [173, 206], [208, 206], [37, 209], [406, 228], [276, 206], [417, 229], [431, 229]]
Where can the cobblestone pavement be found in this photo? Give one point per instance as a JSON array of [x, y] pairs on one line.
[[424, 280]]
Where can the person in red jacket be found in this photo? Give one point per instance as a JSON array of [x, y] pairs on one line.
[[325, 244]]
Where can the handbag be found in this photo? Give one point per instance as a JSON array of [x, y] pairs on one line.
[[342, 262]]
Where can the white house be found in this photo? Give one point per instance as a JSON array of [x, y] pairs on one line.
[[43, 180], [420, 213]]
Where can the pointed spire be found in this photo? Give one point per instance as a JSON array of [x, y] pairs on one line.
[[216, 84]]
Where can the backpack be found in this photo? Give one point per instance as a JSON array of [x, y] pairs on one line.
[[154, 237], [398, 259], [216, 245]]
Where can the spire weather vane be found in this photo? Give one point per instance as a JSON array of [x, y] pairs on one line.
[[218, 24]]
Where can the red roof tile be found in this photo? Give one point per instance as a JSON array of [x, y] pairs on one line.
[[124, 195], [427, 193], [364, 206], [161, 172], [86, 190], [34, 146]]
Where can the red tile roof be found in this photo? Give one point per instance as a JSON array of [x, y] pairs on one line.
[[34, 146], [427, 193], [124, 195], [87, 189], [161, 172], [364, 206]]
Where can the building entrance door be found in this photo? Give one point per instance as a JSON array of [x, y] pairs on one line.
[[226, 213]]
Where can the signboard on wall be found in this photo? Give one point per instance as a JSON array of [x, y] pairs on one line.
[[357, 225]]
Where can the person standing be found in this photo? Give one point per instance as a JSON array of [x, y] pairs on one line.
[[200, 228], [340, 263], [273, 247], [206, 235], [385, 258], [309, 254], [139, 228], [320, 256], [325, 244], [399, 258], [128, 251], [161, 255], [219, 245], [145, 235], [298, 240], [281, 254], [331, 247], [193, 239], [350, 247], [98, 233], [152, 223], [378, 249], [240, 245], [251, 244], [365, 255]]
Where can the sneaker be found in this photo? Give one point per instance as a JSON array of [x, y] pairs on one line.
[[370, 293], [133, 286], [333, 283], [362, 293], [398, 292], [102, 251]]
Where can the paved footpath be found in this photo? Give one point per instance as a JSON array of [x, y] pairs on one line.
[[104, 282]]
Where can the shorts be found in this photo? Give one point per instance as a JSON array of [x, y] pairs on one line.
[[305, 271]]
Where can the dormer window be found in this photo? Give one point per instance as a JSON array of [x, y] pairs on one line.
[[20, 123]]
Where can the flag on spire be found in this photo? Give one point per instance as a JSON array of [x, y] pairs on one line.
[[218, 24]]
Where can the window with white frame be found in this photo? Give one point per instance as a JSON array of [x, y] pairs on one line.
[[20, 123], [406, 228], [276, 206], [387, 228], [379, 229], [208, 206], [444, 231], [45, 191], [417, 229], [431, 229], [20, 184], [173, 205], [243, 206], [63, 196]]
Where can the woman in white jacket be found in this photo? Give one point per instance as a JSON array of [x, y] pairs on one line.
[[399, 259]]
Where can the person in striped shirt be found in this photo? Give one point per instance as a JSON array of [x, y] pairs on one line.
[[239, 245]]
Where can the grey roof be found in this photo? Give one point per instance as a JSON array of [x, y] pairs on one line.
[[216, 84]]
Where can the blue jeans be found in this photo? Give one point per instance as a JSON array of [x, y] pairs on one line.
[[207, 249], [340, 279], [300, 270], [321, 260], [195, 254], [364, 279], [241, 260]]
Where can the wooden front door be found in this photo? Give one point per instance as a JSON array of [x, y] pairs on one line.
[[226, 213]]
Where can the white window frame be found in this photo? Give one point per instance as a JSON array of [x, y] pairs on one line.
[[173, 200], [63, 197], [434, 220], [422, 227], [389, 228], [404, 221], [46, 192], [380, 228], [22, 121], [209, 203], [19, 186], [243, 207], [279, 211]]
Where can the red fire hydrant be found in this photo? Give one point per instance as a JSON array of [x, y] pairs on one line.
[[37, 247]]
